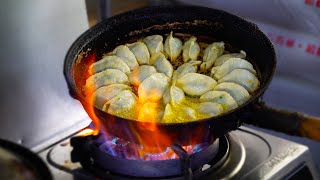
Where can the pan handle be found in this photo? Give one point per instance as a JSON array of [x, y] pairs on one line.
[[293, 123]]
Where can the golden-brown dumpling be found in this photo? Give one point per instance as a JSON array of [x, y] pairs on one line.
[[232, 64], [173, 95], [105, 78], [214, 70], [190, 50], [188, 114], [189, 67], [194, 84], [173, 47], [126, 55], [140, 51], [242, 77], [211, 53], [159, 61], [140, 73], [154, 43], [176, 95], [166, 96], [221, 59], [153, 87], [209, 109], [109, 62], [106, 93], [220, 97], [169, 114], [124, 102], [239, 93]]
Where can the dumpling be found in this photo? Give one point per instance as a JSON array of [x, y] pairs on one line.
[[109, 62], [153, 87], [232, 64], [220, 60], [189, 67], [214, 70], [220, 97], [173, 47], [126, 55], [242, 77], [195, 84], [188, 114], [106, 93], [166, 96], [169, 115], [162, 64], [154, 43], [150, 112], [105, 78], [239, 93], [173, 95], [156, 56], [176, 95], [211, 53], [190, 50], [209, 109], [119, 106], [140, 51], [140, 73]]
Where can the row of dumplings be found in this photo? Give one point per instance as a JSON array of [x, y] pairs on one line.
[[147, 66]]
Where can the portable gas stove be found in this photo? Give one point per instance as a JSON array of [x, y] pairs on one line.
[[242, 154]]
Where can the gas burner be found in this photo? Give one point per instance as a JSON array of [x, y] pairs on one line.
[[101, 163], [93, 152], [86, 148], [242, 154]]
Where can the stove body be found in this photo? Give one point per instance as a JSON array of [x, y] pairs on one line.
[[253, 155]]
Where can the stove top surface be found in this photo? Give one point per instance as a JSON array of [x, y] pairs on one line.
[[253, 155]]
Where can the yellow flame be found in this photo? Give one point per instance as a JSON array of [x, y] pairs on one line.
[[86, 132]]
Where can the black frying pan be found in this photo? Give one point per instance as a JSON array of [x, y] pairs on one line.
[[206, 24], [24, 163]]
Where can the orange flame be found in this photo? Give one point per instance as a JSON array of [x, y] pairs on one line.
[[86, 132], [90, 58], [148, 113]]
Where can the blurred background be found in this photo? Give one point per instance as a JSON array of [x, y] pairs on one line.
[[36, 108]]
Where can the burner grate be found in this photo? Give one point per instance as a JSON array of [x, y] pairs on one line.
[[87, 152]]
